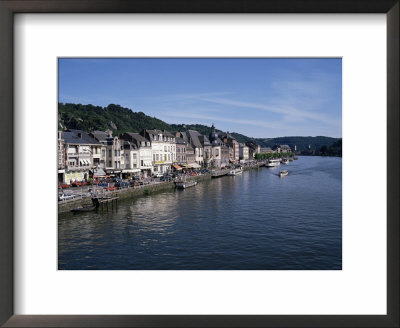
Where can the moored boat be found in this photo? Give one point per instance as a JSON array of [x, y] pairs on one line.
[[273, 163], [88, 208], [283, 173], [285, 161], [185, 184], [236, 171]]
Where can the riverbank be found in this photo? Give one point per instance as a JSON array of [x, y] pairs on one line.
[[140, 191], [128, 193]]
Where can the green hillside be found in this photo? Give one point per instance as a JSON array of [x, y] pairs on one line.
[[113, 117], [120, 119]]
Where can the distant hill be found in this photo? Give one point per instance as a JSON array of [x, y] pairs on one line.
[[301, 143], [120, 119]]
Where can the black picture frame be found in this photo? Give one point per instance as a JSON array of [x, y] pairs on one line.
[[7, 10]]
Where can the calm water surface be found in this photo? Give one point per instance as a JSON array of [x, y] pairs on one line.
[[254, 221]]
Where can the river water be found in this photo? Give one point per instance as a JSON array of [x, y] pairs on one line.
[[255, 221]]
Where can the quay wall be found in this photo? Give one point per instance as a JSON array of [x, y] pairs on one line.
[[145, 190], [127, 193]]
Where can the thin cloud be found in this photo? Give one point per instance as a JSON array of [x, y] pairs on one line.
[[188, 115], [278, 110]]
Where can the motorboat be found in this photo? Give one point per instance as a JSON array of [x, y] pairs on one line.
[[185, 184], [234, 172], [283, 173], [273, 163]]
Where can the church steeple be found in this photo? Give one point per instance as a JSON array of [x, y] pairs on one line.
[[213, 134]]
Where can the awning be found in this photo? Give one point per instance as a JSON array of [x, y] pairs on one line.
[[194, 165], [131, 171], [100, 173], [177, 167], [185, 165]]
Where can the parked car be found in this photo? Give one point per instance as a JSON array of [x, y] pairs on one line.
[[103, 184], [121, 184], [134, 183]]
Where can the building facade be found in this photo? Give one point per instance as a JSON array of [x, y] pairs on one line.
[[130, 161], [243, 152], [145, 153], [163, 147], [78, 147]]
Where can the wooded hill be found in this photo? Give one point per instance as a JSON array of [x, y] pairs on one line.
[[120, 119]]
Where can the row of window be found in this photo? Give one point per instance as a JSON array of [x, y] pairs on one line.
[[160, 138], [165, 157]]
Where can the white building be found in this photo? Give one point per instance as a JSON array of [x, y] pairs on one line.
[[130, 160], [243, 152], [78, 147], [163, 149], [145, 156]]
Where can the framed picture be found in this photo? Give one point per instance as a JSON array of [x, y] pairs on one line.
[[210, 296]]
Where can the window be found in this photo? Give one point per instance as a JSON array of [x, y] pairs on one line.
[[134, 157], [109, 152], [154, 157], [141, 163]]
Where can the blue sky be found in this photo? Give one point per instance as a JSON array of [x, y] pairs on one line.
[[257, 97]]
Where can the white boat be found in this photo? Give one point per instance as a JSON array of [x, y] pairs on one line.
[[185, 184], [273, 163], [283, 173], [285, 161], [236, 171]]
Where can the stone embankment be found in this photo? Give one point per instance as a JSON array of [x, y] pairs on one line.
[[145, 190]]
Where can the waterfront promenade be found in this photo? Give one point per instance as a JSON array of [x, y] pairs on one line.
[[83, 196]]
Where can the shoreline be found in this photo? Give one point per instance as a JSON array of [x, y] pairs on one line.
[[64, 207]]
